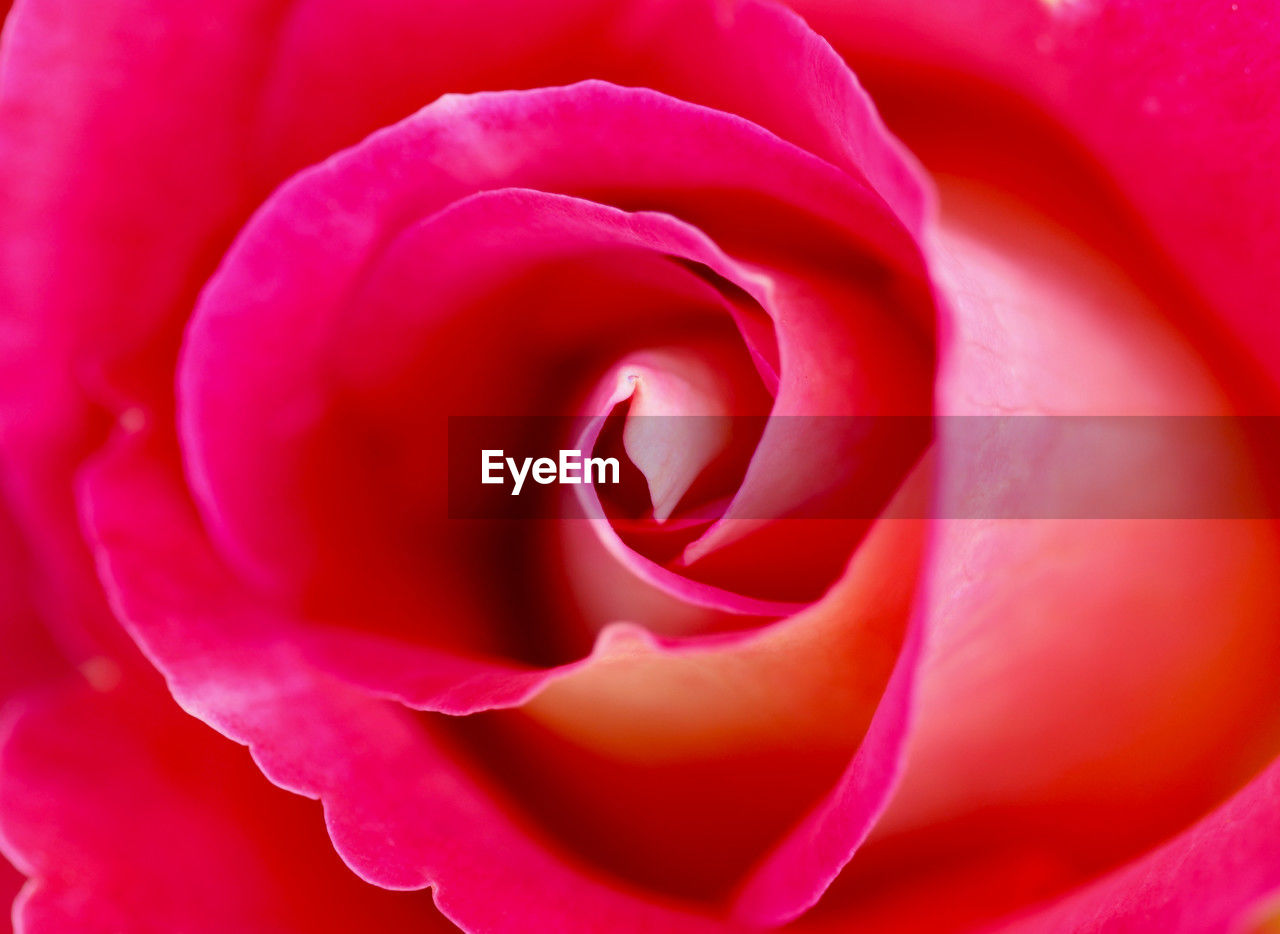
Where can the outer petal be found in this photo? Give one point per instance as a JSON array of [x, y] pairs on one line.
[[1090, 687], [1177, 104], [1209, 878], [1160, 125], [129, 815]]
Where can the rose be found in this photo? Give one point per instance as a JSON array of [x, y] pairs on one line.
[[1001, 878], [224, 535]]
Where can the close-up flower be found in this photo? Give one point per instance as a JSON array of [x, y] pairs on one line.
[[636, 465]]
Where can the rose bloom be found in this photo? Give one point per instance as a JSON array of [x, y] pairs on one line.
[[254, 256]]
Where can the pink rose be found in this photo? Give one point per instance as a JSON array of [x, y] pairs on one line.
[[256, 257]]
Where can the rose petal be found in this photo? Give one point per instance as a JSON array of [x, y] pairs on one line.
[[276, 89], [101, 294], [320, 738], [677, 420], [245, 460], [130, 815], [1071, 712], [233, 666], [796, 873], [99, 318], [1207, 878], [1177, 110], [1136, 366]]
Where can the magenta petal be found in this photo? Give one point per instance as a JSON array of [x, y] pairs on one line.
[[339, 76], [401, 810], [267, 322], [759, 61], [131, 816], [207, 111], [159, 569], [222, 656], [792, 878], [248, 675]]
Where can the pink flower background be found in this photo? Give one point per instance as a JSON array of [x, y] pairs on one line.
[[252, 254]]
